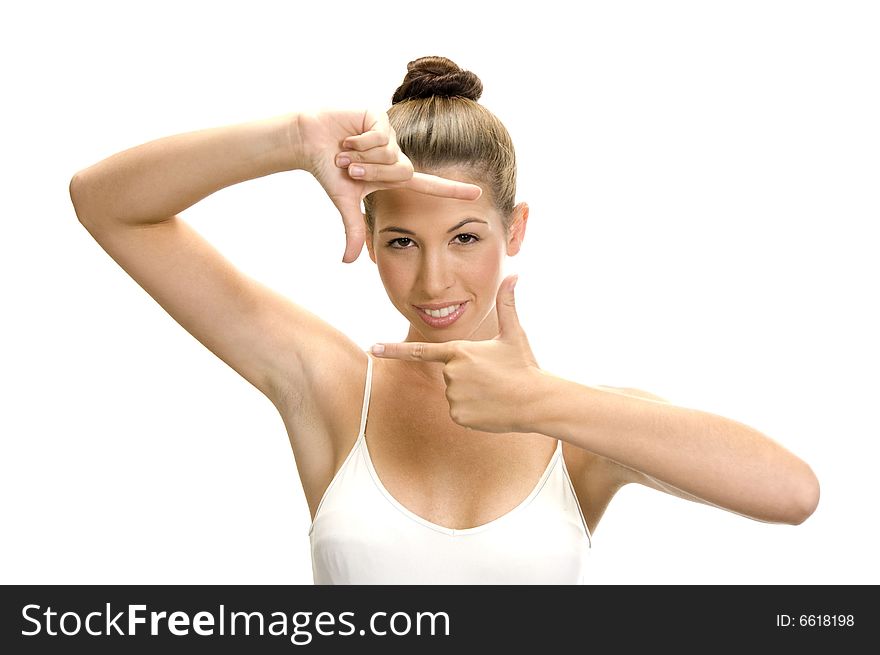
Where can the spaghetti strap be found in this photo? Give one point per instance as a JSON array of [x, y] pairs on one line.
[[367, 388]]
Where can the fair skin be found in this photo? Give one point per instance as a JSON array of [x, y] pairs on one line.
[[420, 261], [494, 385], [459, 473]]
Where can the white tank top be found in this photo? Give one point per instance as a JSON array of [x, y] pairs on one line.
[[362, 535]]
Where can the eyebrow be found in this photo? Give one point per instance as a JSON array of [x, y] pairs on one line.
[[452, 229]]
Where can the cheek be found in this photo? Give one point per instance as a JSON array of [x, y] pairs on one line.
[[484, 271], [395, 275]]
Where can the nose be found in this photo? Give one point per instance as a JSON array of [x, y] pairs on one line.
[[436, 274]]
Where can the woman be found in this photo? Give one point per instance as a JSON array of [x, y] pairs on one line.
[[451, 457]]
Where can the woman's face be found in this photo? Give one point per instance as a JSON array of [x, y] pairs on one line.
[[444, 255]]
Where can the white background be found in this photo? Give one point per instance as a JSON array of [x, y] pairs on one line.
[[703, 183]]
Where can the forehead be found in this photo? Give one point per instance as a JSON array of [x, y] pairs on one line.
[[400, 205], [405, 205]]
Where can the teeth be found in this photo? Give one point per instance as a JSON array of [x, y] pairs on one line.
[[438, 313]]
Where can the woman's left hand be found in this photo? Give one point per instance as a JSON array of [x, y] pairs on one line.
[[491, 385]]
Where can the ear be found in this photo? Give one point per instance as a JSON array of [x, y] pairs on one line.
[[517, 228]]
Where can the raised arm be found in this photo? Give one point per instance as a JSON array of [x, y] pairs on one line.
[[129, 201], [152, 182]]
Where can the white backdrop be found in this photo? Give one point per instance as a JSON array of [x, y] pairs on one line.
[[703, 183]]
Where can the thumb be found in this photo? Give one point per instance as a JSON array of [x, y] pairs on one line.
[[355, 230], [505, 304]]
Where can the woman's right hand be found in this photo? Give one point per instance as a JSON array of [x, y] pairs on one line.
[[367, 140]]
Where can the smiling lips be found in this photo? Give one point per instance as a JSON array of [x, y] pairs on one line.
[[442, 316]]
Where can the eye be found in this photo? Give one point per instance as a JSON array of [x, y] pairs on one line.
[[398, 239], [402, 243]]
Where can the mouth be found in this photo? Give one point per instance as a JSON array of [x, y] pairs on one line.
[[442, 317]]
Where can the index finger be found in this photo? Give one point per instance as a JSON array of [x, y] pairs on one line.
[[414, 351], [434, 185]]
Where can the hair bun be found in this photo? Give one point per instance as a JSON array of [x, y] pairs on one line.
[[437, 76]]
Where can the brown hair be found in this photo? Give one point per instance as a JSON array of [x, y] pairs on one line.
[[439, 124]]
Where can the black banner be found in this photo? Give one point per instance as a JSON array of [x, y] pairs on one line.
[[278, 619]]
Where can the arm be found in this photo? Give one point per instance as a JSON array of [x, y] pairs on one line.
[[624, 475], [700, 455], [151, 182], [128, 201]]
